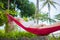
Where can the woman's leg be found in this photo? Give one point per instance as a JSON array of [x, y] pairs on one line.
[[45, 26]]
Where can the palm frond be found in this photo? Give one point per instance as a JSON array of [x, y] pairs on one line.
[[56, 3], [53, 4], [52, 20], [44, 4]]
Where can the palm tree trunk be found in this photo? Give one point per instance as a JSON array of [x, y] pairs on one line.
[[48, 13], [8, 27], [37, 10], [6, 24]]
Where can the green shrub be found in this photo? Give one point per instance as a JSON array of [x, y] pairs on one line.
[[53, 38], [15, 35]]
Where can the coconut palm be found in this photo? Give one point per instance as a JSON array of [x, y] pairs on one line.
[[49, 3]]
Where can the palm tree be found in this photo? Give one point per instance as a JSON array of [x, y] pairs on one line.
[[49, 3]]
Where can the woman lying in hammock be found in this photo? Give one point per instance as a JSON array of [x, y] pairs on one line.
[[41, 29], [46, 26], [39, 26]]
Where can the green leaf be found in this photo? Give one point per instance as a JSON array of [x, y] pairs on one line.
[[25, 18], [1, 22], [1, 5]]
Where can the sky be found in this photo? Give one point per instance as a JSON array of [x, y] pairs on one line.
[[45, 9]]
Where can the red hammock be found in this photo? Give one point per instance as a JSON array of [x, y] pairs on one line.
[[41, 32]]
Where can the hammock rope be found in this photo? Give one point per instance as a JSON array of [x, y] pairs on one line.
[[40, 32]]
